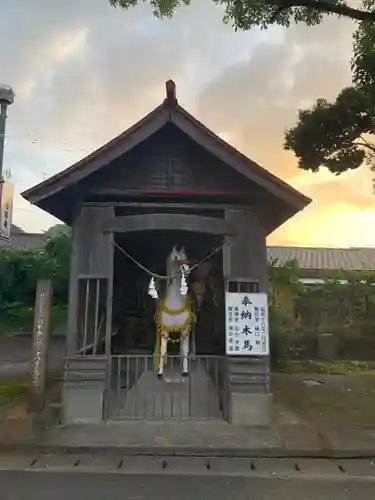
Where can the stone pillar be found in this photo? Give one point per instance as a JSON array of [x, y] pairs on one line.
[[248, 378], [39, 359]]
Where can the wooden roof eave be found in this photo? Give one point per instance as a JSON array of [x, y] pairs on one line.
[[168, 112], [100, 157], [239, 162]]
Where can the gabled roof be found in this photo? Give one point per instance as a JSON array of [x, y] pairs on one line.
[[169, 111], [311, 258]]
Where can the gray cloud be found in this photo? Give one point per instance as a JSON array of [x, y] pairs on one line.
[[261, 95], [81, 101], [124, 54]]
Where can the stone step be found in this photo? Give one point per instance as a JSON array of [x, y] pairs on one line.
[[194, 397]]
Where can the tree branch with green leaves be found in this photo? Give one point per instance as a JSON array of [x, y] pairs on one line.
[[340, 135], [246, 14]]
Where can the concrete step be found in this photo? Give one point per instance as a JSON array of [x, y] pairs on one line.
[[174, 396]]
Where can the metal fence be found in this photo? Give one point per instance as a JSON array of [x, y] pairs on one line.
[[136, 392], [92, 296]]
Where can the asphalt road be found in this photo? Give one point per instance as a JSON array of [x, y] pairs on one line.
[[27, 485]]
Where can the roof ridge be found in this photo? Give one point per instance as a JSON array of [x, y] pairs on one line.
[[61, 180], [321, 248]]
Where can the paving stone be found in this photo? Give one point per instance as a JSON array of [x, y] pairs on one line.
[[55, 460], [10, 462], [269, 466], [319, 467], [100, 461], [230, 465], [153, 465], [186, 465], [357, 467]]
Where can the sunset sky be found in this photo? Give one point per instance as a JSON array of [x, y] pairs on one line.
[[83, 72]]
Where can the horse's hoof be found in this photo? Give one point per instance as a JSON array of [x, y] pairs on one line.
[[160, 376], [185, 374]]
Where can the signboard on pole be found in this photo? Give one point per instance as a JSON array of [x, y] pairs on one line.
[[247, 330], [6, 209]]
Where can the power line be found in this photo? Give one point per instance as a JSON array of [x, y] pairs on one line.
[[36, 140], [19, 209]]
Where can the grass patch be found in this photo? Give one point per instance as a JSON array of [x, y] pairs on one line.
[[12, 389], [17, 388], [347, 402], [331, 367]]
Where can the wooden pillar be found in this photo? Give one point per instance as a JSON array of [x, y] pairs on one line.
[[39, 360], [92, 256], [245, 252], [72, 323], [245, 259], [92, 259]]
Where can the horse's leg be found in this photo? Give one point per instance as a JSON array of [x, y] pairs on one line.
[[163, 352], [184, 353]]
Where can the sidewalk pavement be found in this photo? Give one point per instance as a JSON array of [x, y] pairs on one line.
[[314, 416]]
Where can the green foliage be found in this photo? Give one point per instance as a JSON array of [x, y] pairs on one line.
[[57, 230], [57, 254], [340, 135], [12, 389], [244, 15], [283, 288], [333, 135], [363, 61], [334, 367], [20, 269], [278, 334], [19, 272], [17, 317], [286, 275], [343, 306]]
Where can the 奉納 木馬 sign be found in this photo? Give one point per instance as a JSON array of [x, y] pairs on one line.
[[247, 331]]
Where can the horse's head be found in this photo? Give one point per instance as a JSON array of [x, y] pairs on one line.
[[178, 256], [176, 259]]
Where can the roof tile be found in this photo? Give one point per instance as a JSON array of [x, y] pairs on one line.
[[347, 259]]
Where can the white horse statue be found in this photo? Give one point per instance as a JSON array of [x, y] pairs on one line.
[[174, 315]]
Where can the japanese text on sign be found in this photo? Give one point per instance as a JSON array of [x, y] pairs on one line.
[[247, 324]]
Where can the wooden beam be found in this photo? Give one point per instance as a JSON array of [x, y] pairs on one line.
[[171, 205], [170, 192], [170, 222]]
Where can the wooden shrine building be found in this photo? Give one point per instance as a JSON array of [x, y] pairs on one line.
[[167, 179]]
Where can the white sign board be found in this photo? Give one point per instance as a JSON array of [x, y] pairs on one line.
[[6, 209], [247, 330]]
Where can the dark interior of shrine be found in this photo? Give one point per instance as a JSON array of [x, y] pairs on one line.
[[133, 309]]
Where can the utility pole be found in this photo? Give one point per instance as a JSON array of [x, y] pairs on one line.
[[6, 189], [6, 99]]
